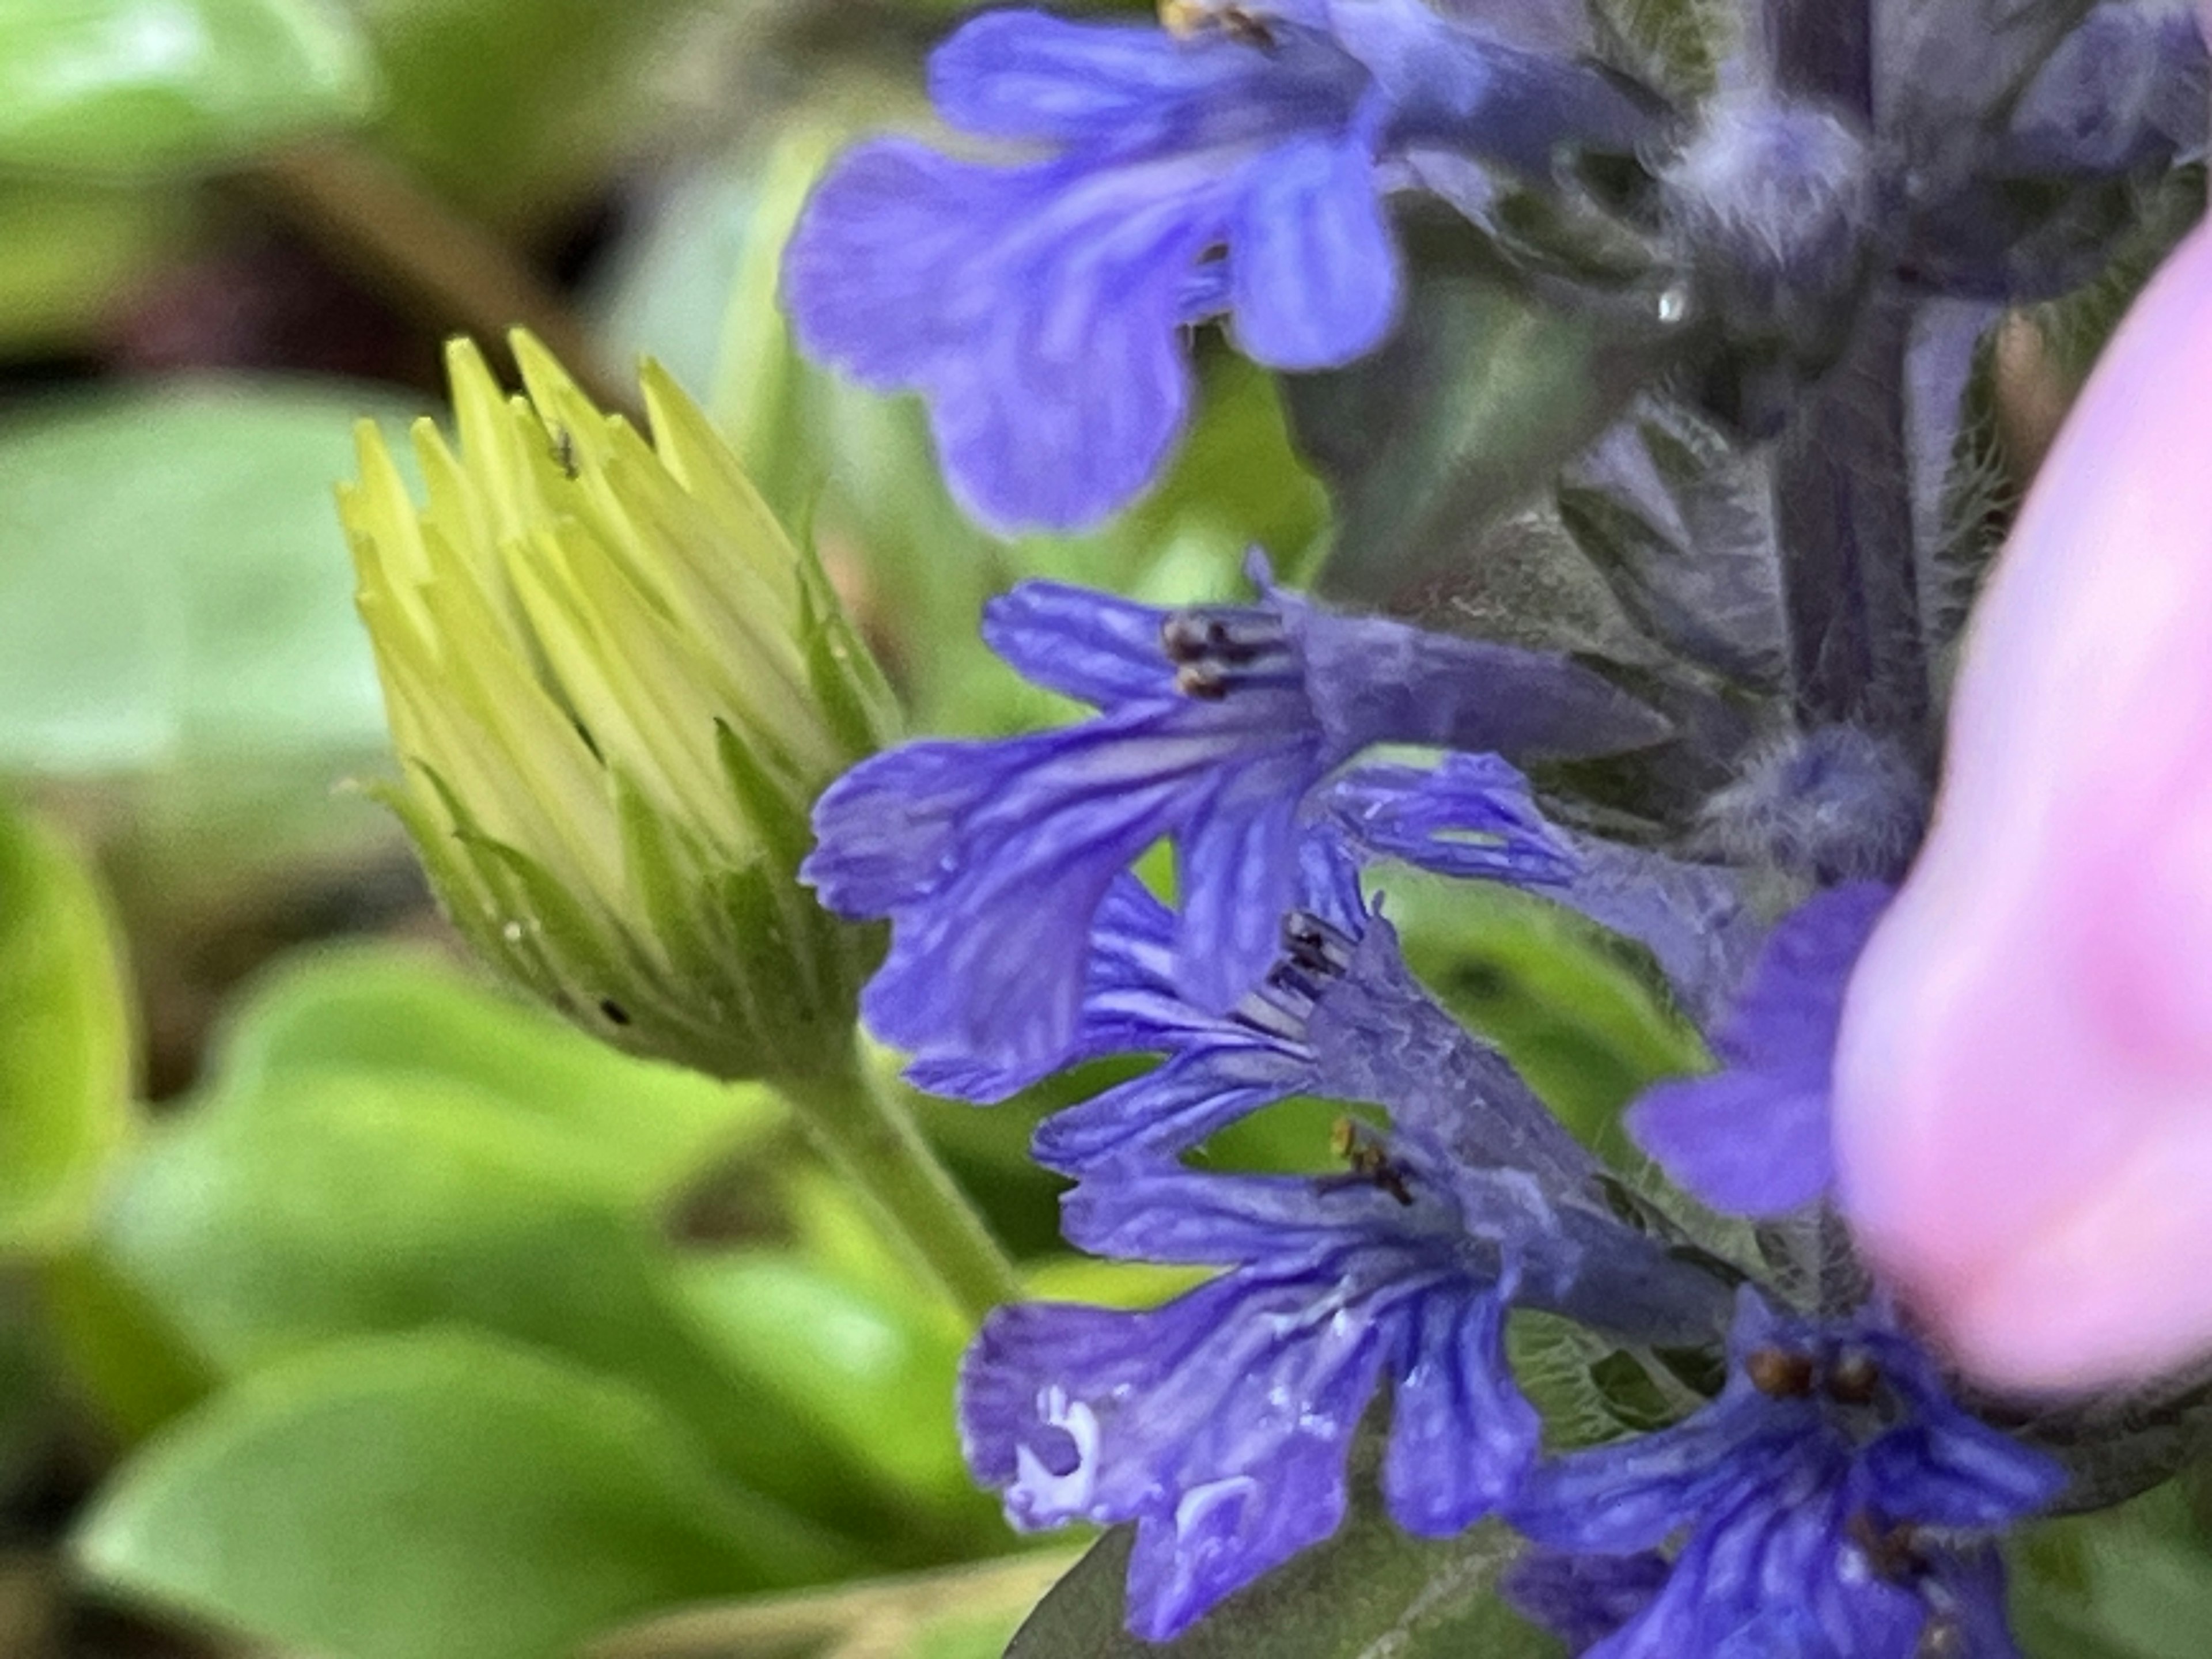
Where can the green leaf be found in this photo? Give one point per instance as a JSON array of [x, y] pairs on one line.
[[515, 110], [120, 1352], [136, 86], [2131, 1582], [173, 586], [966, 1612], [640, 1129], [873, 1371], [424, 1496], [1456, 424], [1370, 1590], [340, 1204], [65, 1066]]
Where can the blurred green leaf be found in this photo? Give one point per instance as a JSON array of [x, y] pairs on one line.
[[173, 586], [65, 1066], [430, 1495], [640, 1129], [964, 1613], [1371, 1589], [2131, 1582], [874, 1372], [335, 1204], [121, 1353], [67, 252], [1556, 994], [135, 86], [516, 110]]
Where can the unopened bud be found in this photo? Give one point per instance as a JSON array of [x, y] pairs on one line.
[[616, 686]]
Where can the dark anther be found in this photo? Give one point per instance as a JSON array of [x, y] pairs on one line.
[[1201, 680], [1241, 27], [1368, 1162], [1779, 1374], [1893, 1553], [1311, 944], [1852, 1380], [1290, 977], [615, 1013], [1187, 637]]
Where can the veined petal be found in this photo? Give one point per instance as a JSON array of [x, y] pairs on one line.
[[1369, 676], [992, 859], [1080, 642], [887, 273], [1471, 816], [1022, 74], [1219, 1423], [1354, 1229], [1831, 1499], [1789, 1012], [1238, 860], [1314, 274], [1175, 1106], [1462, 1437]]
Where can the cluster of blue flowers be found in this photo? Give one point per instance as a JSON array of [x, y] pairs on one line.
[[1222, 1422], [1246, 162]]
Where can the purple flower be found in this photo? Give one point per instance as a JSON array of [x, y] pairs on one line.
[[1220, 1422], [1337, 1015], [1754, 1138], [1237, 170], [992, 859], [1831, 1504]]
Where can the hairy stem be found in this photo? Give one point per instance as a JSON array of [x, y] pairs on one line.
[[863, 1124], [1844, 505], [1843, 473]]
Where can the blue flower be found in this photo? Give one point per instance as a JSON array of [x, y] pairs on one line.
[[1220, 1422], [992, 859], [1832, 1503], [1234, 170], [1337, 1015], [1754, 1138]]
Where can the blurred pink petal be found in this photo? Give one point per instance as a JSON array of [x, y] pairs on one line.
[[2024, 1084]]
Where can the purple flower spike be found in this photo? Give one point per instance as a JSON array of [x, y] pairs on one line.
[[1754, 1138], [1220, 1423], [992, 859], [1837, 1507], [1232, 169]]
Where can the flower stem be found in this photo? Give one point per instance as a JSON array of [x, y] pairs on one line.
[[863, 1124]]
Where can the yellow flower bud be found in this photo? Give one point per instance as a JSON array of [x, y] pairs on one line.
[[616, 686]]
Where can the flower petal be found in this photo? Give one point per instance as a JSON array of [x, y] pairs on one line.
[[1461, 1435], [1313, 269], [1220, 1423]]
